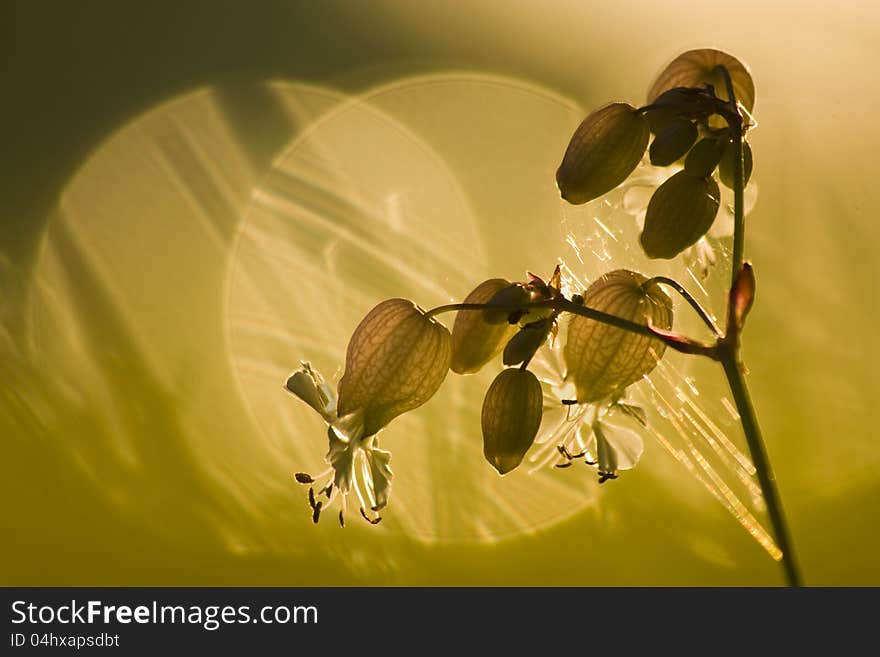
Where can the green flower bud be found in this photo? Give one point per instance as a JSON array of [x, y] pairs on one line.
[[725, 168], [507, 299], [740, 299], [396, 360], [673, 141], [696, 68], [475, 341], [604, 150], [511, 418], [525, 343], [704, 157], [679, 213], [602, 360]]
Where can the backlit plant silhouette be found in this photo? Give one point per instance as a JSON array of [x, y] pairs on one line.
[[616, 331]]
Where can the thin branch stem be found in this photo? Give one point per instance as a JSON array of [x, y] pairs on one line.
[[736, 124], [726, 349], [728, 353], [566, 306], [739, 229], [766, 479], [678, 287]]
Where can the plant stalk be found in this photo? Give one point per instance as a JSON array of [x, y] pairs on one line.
[[685, 346], [739, 228], [732, 368], [728, 350], [735, 121]]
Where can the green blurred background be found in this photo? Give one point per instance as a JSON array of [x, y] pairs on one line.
[[156, 287]]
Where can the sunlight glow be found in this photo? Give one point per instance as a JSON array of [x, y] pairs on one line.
[[360, 208]]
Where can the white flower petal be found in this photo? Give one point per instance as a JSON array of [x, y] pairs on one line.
[[341, 457], [380, 472], [607, 456], [566, 390], [626, 445], [309, 386], [701, 256], [585, 439]]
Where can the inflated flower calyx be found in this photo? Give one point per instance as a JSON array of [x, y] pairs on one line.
[[680, 103], [474, 340], [526, 342], [726, 169], [604, 150], [396, 360], [660, 117], [704, 157], [696, 68], [679, 213], [602, 360], [507, 299], [673, 141], [511, 418]]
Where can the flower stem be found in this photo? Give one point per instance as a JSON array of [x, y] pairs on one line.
[[687, 296], [735, 121], [728, 352], [739, 228], [564, 305], [732, 368]]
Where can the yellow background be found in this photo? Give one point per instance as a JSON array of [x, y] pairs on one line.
[[142, 441]]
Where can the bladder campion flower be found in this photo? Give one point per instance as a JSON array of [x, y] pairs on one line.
[[725, 167], [637, 194], [569, 430], [474, 340], [673, 142], [603, 360], [396, 360], [680, 212], [699, 113], [699, 67], [511, 418], [603, 151]]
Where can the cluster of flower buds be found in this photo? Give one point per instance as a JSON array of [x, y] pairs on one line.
[[399, 356], [516, 322], [690, 116]]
